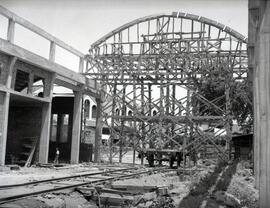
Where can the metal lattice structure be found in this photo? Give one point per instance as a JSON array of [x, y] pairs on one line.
[[152, 72]]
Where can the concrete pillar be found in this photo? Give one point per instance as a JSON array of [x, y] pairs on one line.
[[259, 31], [4, 108], [45, 133], [76, 128], [252, 77], [263, 71]]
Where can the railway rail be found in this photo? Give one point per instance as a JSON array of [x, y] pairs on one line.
[[13, 192]]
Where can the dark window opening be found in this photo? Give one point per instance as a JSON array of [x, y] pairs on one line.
[[94, 111], [22, 81], [87, 108], [54, 127], [38, 87]]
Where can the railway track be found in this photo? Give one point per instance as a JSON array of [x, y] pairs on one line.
[[13, 192]]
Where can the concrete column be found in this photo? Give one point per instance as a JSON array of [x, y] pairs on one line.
[[4, 108], [259, 31], [263, 71], [76, 127], [252, 77], [45, 133]]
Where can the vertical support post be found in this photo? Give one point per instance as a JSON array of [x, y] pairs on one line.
[[253, 24], [30, 83], [98, 135], [228, 116], [122, 134], [143, 123], [167, 104], [4, 108], [52, 51], [11, 31], [262, 98], [45, 133], [151, 144], [81, 65], [134, 122], [173, 109], [46, 121], [161, 117], [75, 142], [4, 111], [99, 122], [112, 136], [186, 129]]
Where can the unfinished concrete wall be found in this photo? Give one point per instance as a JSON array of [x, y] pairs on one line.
[[24, 122]]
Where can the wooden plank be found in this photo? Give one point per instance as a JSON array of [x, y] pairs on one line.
[[134, 188], [23, 22], [30, 157], [105, 190], [114, 199]]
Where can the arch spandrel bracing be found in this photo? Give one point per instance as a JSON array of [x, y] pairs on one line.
[[189, 69]]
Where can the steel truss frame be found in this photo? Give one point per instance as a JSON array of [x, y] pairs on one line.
[[142, 67]]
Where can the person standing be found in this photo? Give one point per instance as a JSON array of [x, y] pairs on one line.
[[57, 153]]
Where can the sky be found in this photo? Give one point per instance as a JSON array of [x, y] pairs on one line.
[[81, 22]]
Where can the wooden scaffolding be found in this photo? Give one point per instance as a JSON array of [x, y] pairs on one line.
[[154, 73]]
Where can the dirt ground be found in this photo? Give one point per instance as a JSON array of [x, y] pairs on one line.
[[207, 184]]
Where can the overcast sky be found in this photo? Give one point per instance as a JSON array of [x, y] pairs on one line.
[[81, 22]]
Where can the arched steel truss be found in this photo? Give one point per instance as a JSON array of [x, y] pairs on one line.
[[151, 71]]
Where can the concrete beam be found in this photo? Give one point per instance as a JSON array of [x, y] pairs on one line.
[[39, 61]]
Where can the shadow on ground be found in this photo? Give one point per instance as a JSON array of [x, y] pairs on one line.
[[200, 192]]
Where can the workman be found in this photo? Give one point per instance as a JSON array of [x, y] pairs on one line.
[[57, 153]]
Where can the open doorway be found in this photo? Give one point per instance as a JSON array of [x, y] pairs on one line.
[[61, 128]]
